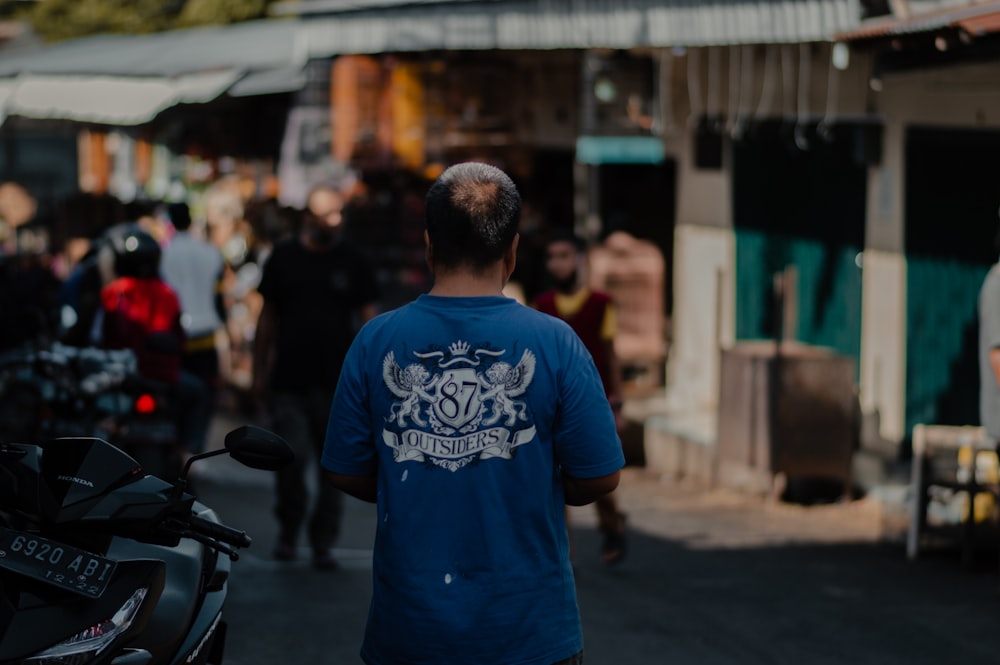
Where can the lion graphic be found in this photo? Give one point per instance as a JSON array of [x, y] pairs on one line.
[[503, 382], [410, 384]]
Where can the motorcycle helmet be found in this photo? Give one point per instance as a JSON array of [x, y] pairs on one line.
[[137, 254]]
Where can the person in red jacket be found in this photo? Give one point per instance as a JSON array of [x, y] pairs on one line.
[[591, 314], [143, 313], [138, 306]]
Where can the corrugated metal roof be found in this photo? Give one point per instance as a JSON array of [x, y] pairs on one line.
[[149, 72], [439, 24], [552, 24], [981, 25], [308, 7], [254, 45], [977, 18]]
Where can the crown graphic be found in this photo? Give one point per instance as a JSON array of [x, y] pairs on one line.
[[458, 348]]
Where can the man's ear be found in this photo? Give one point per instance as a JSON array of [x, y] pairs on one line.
[[428, 251], [510, 257]]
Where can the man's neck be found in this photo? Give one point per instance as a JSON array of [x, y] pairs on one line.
[[467, 284], [314, 245], [570, 290]]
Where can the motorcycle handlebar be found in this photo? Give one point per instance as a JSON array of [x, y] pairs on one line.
[[219, 532]]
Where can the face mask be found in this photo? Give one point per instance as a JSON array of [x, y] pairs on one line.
[[322, 237]]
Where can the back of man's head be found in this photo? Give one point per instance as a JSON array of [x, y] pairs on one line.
[[472, 214], [180, 215]]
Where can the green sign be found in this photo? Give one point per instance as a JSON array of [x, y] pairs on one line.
[[619, 150]]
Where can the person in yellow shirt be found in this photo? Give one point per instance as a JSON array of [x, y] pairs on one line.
[[591, 314]]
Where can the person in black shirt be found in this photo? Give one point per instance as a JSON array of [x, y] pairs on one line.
[[317, 290]]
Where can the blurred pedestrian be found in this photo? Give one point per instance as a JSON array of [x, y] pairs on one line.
[[142, 312], [471, 420], [317, 290], [80, 294], [29, 289], [193, 267], [29, 300], [591, 314], [17, 211], [225, 208], [989, 353]]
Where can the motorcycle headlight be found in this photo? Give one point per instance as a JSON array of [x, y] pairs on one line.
[[82, 647]]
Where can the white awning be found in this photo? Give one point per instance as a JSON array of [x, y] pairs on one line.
[[270, 82], [114, 100], [129, 79], [6, 90]]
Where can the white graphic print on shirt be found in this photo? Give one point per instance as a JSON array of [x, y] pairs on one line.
[[457, 407]]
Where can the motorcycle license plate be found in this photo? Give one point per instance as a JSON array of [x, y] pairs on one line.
[[55, 563]]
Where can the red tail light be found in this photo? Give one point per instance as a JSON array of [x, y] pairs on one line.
[[145, 404]]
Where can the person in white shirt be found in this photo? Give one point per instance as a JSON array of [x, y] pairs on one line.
[[194, 268]]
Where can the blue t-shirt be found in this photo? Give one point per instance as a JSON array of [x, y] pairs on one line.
[[469, 410]]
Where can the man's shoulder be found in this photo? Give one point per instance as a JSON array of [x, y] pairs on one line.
[[597, 295], [285, 250], [520, 322], [991, 282], [114, 287], [156, 288], [183, 242], [350, 250], [546, 325], [206, 247], [545, 298], [162, 289], [514, 313], [287, 245]]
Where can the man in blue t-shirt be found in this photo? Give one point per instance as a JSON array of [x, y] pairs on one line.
[[471, 420]]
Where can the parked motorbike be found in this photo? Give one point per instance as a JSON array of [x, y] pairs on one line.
[[139, 416], [103, 564], [54, 390], [60, 390]]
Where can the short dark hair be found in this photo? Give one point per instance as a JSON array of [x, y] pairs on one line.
[[472, 213], [180, 215], [563, 234]]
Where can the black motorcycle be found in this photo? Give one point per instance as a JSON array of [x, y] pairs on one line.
[[102, 564]]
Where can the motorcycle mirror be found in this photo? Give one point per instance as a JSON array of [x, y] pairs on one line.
[[258, 448]]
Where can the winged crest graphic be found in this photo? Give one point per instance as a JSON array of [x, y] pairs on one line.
[[411, 384], [504, 382]]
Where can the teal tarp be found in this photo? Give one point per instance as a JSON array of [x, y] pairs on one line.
[[619, 150], [828, 289]]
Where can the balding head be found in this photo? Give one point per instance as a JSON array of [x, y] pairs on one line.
[[472, 212]]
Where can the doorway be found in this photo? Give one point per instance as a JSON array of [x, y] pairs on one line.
[[799, 202], [951, 223]]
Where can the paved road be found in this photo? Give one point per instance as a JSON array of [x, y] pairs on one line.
[[711, 578]]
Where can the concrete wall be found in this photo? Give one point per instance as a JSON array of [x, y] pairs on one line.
[[704, 286], [965, 96]]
